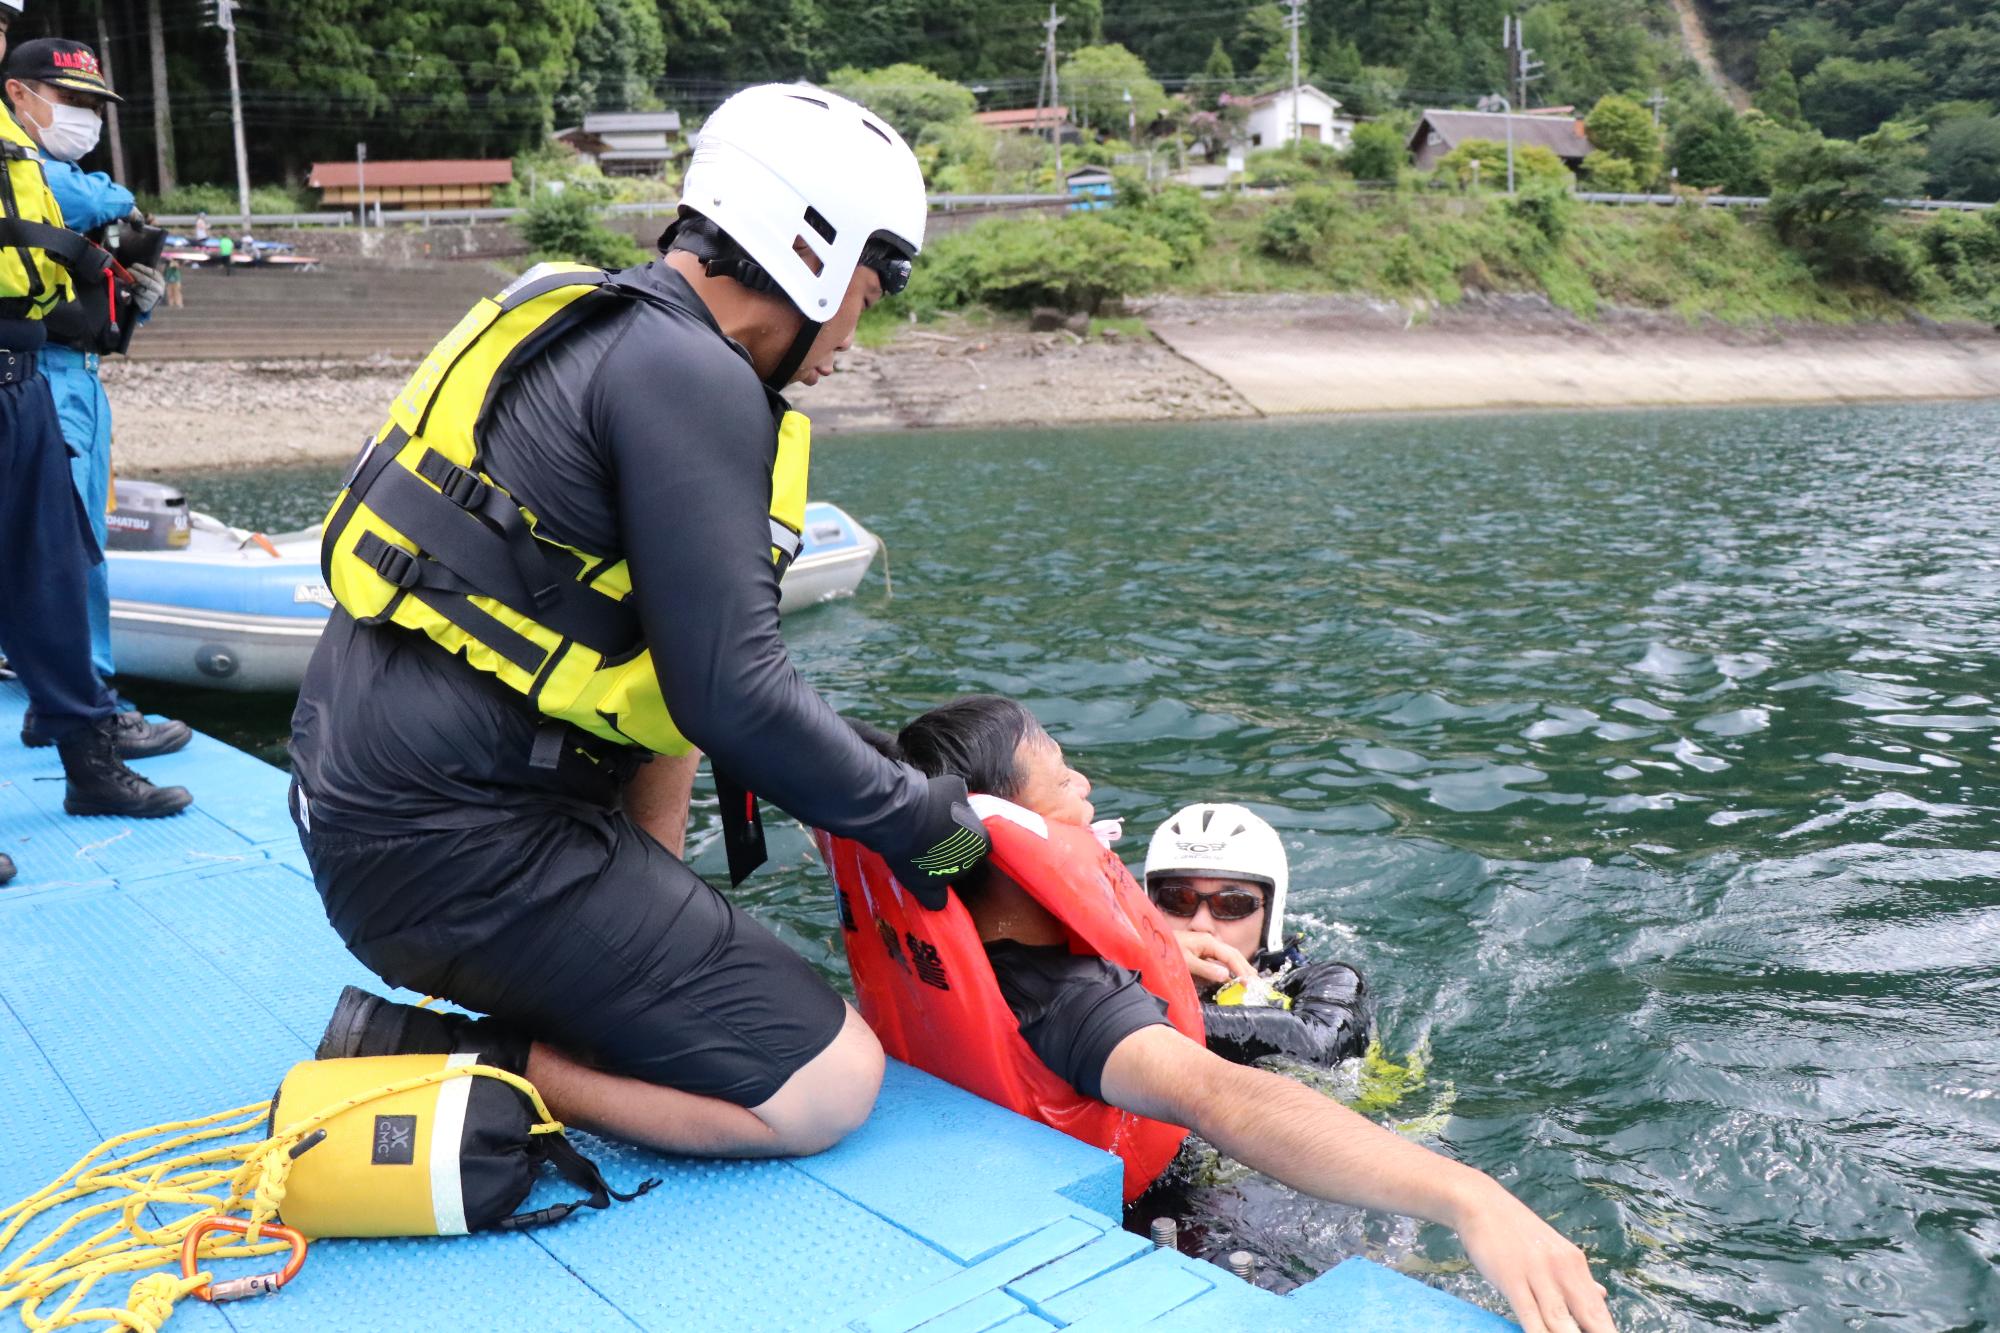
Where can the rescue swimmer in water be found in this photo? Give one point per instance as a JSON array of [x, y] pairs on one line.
[[556, 568], [1222, 869], [1122, 1037]]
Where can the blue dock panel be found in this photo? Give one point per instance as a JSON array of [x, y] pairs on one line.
[[161, 970]]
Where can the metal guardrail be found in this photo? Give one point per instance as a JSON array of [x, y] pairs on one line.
[[943, 203], [432, 217], [1761, 200]]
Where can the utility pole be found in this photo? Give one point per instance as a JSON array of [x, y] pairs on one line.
[[361, 183], [1658, 102], [1294, 21], [1050, 87], [225, 15], [1522, 68]]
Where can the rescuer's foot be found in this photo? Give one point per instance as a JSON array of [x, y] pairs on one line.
[[137, 738], [100, 784], [365, 1024]]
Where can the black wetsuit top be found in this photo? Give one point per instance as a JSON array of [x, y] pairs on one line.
[[1073, 1009], [1327, 1023], [643, 433]]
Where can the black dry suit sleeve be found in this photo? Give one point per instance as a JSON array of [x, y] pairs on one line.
[[1327, 1023], [951, 844], [689, 435]]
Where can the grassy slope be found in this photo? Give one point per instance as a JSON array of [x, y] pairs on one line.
[[1694, 262]]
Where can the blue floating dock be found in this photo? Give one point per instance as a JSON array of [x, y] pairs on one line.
[[158, 970]]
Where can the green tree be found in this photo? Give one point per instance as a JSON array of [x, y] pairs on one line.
[[1592, 47], [1963, 158], [1095, 82], [1611, 174], [909, 97], [1376, 152], [479, 75], [1846, 98], [1621, 127], [565, 225], [1716, 151], [1827, 202], [1339, 66], [1533, 165], [1263, 46], [617, 59], [1218, 76], [1437, 64], [1377, 92], [1777, 87]]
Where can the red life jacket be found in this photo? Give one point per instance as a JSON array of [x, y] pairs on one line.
[[923, 982]]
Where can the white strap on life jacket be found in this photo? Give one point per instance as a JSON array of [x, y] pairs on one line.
[[990, 807]]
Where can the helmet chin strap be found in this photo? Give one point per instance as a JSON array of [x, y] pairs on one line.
[[794, 356], [720, 258]]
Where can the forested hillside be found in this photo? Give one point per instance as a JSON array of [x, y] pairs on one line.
[[1847, 67], [479, 77]]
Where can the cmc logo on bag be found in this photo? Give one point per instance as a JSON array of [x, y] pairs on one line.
[[395, 1140]]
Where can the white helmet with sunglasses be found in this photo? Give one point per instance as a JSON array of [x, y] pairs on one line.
[[1224, 842]]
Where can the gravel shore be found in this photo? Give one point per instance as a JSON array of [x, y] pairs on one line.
[[1204, 359]]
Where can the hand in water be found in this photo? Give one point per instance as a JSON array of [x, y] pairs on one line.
[[1210, 960], [1543, 1276]]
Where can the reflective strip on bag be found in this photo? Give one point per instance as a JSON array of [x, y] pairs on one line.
[[447, 1134]]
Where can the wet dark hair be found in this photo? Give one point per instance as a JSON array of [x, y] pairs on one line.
[[976, 738]]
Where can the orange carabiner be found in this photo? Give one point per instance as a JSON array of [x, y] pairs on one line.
[[237, 1288]]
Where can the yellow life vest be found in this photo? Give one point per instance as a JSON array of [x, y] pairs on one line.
[[421, 536], [34, 246]]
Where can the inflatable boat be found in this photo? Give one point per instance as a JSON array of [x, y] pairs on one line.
[[195, 601]]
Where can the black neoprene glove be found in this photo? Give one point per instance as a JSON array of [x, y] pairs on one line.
[[949, 845]]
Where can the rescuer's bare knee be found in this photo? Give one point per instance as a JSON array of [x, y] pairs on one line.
[[829, 1097]]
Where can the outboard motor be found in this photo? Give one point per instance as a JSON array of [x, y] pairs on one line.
[[146, 516]]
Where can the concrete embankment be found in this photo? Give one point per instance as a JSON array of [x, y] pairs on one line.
[[1294, 354]]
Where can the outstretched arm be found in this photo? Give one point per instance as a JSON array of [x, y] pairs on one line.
[[1318, 1146]]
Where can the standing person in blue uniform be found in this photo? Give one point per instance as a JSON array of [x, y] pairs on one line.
[[57, 94], [45, 543], [557, 573]]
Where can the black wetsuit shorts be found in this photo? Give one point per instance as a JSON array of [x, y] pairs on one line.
[[620, 955]]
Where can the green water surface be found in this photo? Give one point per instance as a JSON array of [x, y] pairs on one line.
[[1645, 762]]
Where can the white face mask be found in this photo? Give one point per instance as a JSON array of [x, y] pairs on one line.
[[71, 132]]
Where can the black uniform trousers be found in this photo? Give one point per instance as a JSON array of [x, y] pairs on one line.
[[46, 552]]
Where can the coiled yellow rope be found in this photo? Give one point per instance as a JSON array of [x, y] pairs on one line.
[[213, 1181]]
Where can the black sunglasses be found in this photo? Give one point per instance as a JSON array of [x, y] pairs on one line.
[[1178, 899]]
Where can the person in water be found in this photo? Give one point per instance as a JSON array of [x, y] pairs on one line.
[[1219, 874], [1095, 1026]]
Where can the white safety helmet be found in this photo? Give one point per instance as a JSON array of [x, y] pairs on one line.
[[787, 162], [1226, 841]]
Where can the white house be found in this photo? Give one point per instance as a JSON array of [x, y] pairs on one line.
[[1270, 121]]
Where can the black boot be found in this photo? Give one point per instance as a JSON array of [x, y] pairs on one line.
[[137, 738], [364, 1024], [100, 784], [6, 867]]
